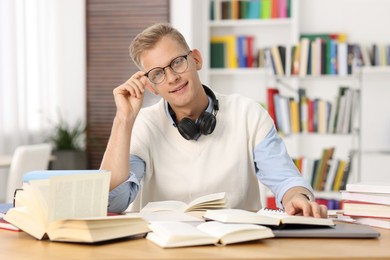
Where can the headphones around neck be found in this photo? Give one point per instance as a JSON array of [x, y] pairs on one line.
[[204, 125]]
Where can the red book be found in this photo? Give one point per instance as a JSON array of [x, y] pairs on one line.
[[271, 203], [7, 226], [249, 60], [274, 8], [271, 104], [310, 115]]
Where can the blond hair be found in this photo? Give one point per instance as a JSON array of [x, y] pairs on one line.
[[149, 37]]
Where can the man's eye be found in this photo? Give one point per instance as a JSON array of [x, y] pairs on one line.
[[177, 62], [157, 74]]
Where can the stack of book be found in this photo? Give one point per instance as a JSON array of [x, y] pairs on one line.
[[368, 203]]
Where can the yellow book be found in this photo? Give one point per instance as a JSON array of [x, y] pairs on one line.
[[339, 175], [294, 115], [230, 42], [235, 9]]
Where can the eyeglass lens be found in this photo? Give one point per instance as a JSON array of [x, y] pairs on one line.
[[178, 65]]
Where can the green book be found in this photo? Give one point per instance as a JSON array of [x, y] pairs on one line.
[[266, 9], [217, 55]]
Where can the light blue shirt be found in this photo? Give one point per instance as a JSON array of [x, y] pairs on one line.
[[278, 172]]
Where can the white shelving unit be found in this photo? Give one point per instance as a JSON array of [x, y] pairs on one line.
[[253, 82]]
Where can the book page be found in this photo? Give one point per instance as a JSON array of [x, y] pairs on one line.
[[215, 200], [151, 216], [167, 205], [178, 234], [34, 197], [78, 195], [294, 219], [234, 233]]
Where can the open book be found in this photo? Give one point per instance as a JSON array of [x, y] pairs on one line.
[[72, 208], [180, 234], [211, 201], [264, 217]]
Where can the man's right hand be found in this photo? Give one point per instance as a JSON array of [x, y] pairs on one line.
[[130, 95]]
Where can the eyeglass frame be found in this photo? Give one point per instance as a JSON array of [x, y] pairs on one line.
[[168, 66]]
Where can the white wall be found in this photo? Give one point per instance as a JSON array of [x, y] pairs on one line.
[[68, 54], [365, 21], [71, 58]]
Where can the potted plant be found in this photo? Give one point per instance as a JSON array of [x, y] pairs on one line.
[[68, 140]]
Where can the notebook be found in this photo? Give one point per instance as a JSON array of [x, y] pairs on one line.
[[340, 230]]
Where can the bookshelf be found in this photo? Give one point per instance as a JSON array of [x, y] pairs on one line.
[[253, 82]]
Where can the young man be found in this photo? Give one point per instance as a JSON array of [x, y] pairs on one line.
[[193, 142]]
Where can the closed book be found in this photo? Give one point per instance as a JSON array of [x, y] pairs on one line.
[[254, 9], [339, 175], [342, 58], [326, 47], [217, 55], [282, 8], [363, 209], [242, 51], [7, 226], [322, 169], [378, 198], [304, 56], [276, 57], [369, 187], [271, 103], [333, 166], [294, 115], [303, 110], [266, 6], [374, 222], [231, 48], [295, 57], [250, 54]]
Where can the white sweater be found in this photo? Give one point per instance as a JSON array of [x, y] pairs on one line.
[[178, 169]]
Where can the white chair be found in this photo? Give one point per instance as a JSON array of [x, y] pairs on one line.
[[26, 158]]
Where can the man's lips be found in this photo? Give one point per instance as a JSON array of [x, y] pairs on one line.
[[178, 89]]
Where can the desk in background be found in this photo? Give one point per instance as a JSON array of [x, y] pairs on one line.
[[5, 161], [19, 245]]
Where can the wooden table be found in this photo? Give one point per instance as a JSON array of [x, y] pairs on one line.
[[18, 245]]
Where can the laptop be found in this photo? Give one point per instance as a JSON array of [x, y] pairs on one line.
[[340, 230]]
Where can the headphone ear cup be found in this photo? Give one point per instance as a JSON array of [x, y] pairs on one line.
[[187, 128], [206, 123]]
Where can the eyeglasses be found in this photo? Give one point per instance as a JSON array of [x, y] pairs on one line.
[[178, 65], [15, 192]]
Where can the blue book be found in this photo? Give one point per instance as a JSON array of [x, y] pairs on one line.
[[241, 51], [254, 11], [46, 174], [4, 207]]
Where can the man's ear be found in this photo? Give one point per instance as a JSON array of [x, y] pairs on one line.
[[198, 58], [149, 86]]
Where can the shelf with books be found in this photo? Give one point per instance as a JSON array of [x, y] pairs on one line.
[[249, 10], [237, 71], [252, 22], [229, 70], [254, 82]]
